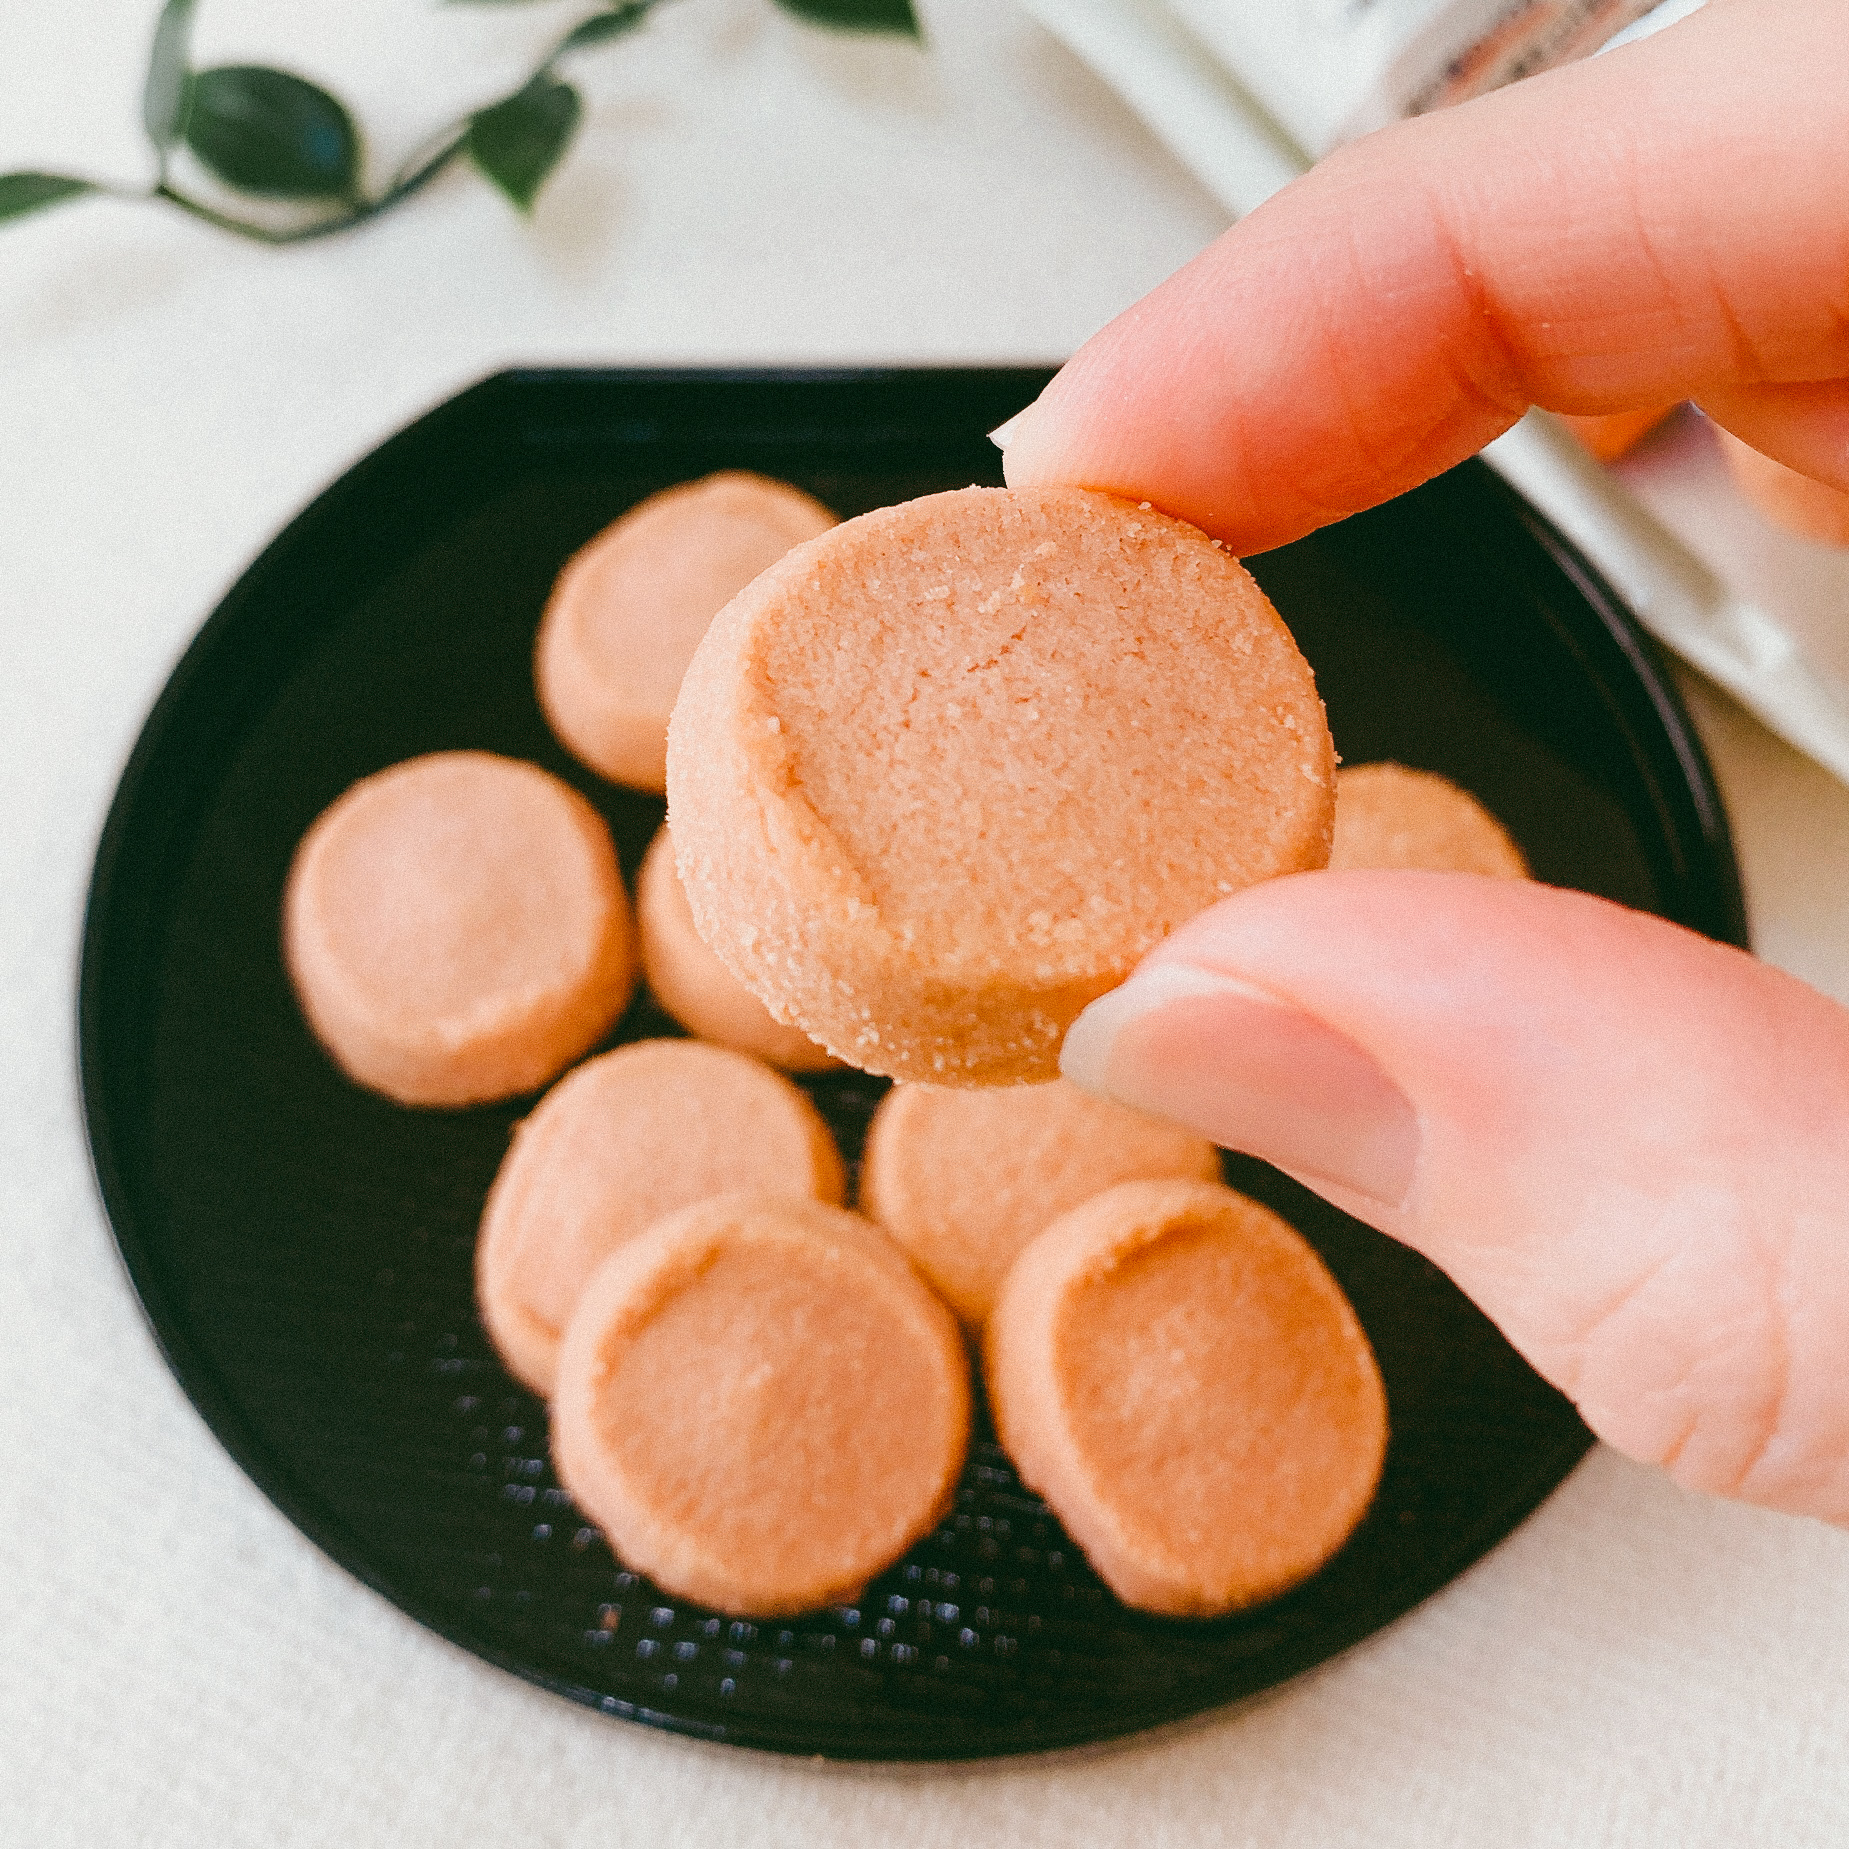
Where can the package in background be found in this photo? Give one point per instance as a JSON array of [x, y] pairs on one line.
[[1329, 70]]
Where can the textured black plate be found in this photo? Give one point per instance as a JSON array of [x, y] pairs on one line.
[[303, 1249]]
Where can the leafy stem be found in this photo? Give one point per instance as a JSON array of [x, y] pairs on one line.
[[416, 174], [270, 135], [357, 214]]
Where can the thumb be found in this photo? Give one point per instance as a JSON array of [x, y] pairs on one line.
[[1629, 1145]]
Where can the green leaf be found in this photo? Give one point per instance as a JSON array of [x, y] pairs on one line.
[[272, 134], [21, 193], [857, 15], [518, 141], [601, 27], [163, 96]]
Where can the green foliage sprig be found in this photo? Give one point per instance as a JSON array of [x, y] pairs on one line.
[[270, 135]]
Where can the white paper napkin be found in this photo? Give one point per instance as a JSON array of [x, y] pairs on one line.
[[1195, 105]]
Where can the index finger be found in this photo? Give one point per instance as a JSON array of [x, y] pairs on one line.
[[1667, 220]]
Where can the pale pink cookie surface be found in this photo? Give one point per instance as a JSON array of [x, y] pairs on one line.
[[456, 929], [631, 606], [630, 1136], [1173, 1368], [940, 777], [761, 1405], [694, 986], [964, 1178], [1389, 816]]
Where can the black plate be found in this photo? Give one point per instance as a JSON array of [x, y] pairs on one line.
[[303, 1249]]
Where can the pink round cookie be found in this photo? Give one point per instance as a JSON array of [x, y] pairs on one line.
[[964, 1178], [631, 606], [761, 1405], [456, 929], [694, 986], [942, 776], [630, 1136], [1173, 1368], [1389, 816]]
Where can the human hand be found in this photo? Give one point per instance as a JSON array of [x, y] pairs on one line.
[[1629, 1145], [1668, 221]]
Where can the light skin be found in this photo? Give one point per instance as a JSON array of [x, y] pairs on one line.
[[1628, 1144]]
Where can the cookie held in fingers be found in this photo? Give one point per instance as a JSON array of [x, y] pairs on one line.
[[1174, 1370], [630, 607], [942, 776], [456, 929], [761, 1405], [630, 1136], [694, 986], [965, 1177]]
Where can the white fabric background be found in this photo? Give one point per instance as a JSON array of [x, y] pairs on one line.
[[178, 1666]]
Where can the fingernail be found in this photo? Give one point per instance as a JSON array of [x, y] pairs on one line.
[[1003, 434], [1253, 1073]]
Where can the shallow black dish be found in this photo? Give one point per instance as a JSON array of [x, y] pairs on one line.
[[303, 1249]]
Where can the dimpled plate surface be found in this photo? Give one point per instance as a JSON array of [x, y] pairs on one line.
[[303, 1249]]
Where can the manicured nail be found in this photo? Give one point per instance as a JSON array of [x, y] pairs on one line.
[[1253, 1073]]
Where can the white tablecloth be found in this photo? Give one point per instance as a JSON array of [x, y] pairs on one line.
[[177, 1665]]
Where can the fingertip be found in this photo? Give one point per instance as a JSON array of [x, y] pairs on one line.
[[1003, 433]]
